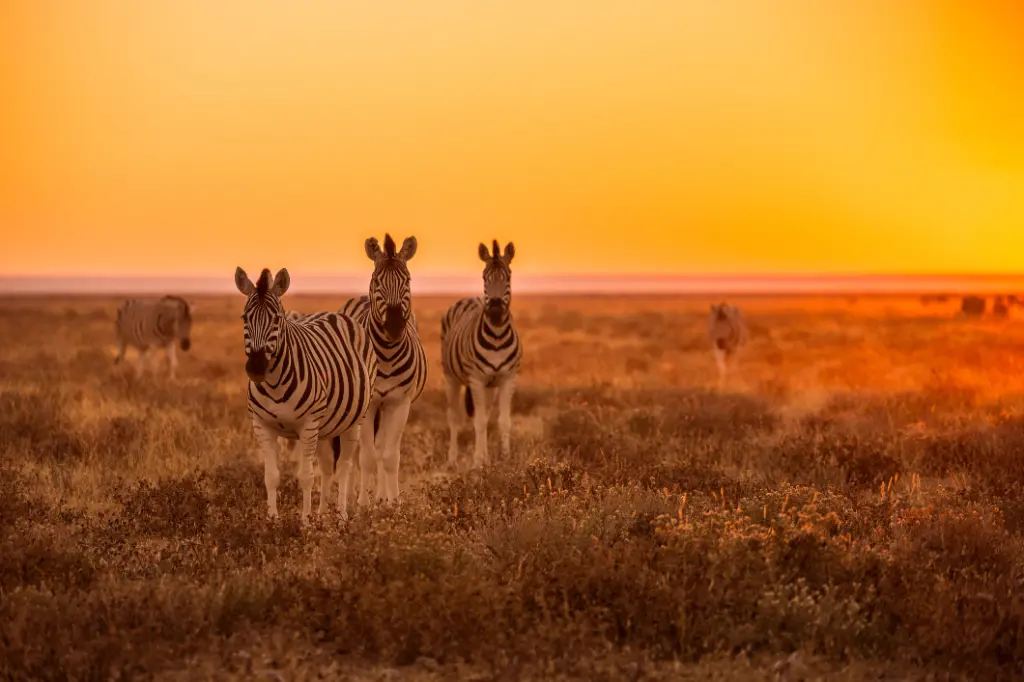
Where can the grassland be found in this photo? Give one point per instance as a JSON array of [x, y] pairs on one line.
[[850, 507]]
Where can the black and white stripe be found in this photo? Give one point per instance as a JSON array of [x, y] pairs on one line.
[[401, 361], [154, 324], [727, 332], [310, 381], [481, 351]]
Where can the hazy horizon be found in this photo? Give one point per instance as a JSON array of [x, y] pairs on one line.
[[593, 283]]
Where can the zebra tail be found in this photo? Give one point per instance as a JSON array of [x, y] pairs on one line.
[[469, 402]]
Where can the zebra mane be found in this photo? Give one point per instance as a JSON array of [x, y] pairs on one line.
[[389, 246], [263, 284]]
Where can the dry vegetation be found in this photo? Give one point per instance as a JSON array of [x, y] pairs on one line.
[[852, 506]]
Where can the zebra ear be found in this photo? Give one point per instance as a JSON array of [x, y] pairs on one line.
[[244, 284], [281, 282], [510, 252], [408, 249], [373, 251], [485, 255]]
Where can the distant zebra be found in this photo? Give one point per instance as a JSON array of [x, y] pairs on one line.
[[401, 361], [309, 381], [728, 334], [481, 351], [156, 324]]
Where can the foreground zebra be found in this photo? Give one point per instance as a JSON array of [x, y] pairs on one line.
[[159, 324], [309, 381], [401, 361], [728, 334], [480, 350]]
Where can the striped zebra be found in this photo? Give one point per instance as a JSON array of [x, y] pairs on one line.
[[481, 351], [309, 381], [157, 324], [728, 334], [401, 361]]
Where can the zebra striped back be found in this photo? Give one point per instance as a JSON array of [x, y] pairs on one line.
[[479, 341], [726, 328], [158, 324]]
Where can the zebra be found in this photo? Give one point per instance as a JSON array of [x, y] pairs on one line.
[[401, 361], [309, 381], [481, 351], [728, 334], [157, 324]]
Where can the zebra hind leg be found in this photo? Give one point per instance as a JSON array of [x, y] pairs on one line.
[[454, 420]]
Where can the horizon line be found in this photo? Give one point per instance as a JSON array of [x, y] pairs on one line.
[[596, 283]]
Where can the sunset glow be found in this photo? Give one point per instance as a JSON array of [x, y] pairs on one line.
[[697, 136]]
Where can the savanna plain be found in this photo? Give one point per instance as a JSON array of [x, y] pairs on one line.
[[848, 507]]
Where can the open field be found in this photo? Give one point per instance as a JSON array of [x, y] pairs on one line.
[[850, 506]]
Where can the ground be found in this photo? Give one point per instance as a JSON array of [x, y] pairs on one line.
[[848, 506]]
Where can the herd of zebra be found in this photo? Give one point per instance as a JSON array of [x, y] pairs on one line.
[[316, 379]]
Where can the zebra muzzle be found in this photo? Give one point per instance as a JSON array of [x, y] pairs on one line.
[[256, 366], [394, 321], [721, 343], [186, 344]]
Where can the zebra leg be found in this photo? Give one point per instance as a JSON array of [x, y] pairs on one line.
[[454, 420], [141, 361], [480, 456], [368, 460], [393, 426], [346, 458], [271, 474], [172, 359], [120, 352], [505, 392], [720, 361], [325, 456], [308, 437]]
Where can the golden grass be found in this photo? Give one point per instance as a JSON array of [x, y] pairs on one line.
[[850, 505]]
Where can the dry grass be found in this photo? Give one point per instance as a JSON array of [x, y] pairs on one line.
[[851, 507]]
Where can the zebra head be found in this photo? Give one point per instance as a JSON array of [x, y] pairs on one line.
[[180, 319], [263, 317], [720, 324], [497, 281], [390, 290]]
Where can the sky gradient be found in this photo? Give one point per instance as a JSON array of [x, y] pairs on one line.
[[186, 137]]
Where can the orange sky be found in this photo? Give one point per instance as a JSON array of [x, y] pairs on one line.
[[189, 136]]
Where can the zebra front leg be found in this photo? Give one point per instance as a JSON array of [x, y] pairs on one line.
[[505, 392], [120, 352], [721, 363], [454, 420], [172, 359], [325, 456], [346, 444], [368, 460], [140, 362], [308, 437], [271, 474], [393, 423], [480, 457]]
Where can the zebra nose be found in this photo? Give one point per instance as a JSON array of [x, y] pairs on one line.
[[256, 365], [186, 344], [394, 321], [494, 302]]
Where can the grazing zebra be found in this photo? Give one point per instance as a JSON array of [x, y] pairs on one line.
[[401, 361], [728, 333], [309, 381], [159, 324], [481, 351]]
